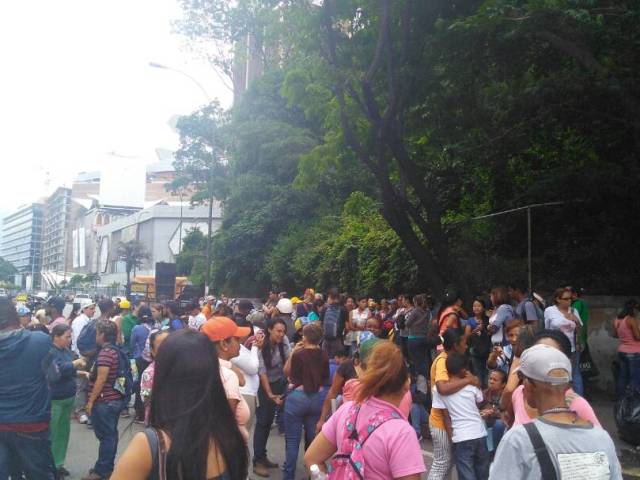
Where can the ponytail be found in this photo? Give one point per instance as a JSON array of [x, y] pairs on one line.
[[386, 372]]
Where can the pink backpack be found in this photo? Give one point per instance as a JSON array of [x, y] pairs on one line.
[[348, 463]]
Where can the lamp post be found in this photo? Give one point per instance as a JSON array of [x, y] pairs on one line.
[[209, 182]]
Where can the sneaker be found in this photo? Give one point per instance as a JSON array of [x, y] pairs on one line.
[[260, 469], [269, 464], [63, 472], [83, 418]]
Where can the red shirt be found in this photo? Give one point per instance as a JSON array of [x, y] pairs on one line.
[[108, 357]]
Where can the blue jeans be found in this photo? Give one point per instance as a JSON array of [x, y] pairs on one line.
[[498, 432], [104, 418], [29, 453], [578, 386], [301, 409], [629, 372], [419, 416], [472, 459]]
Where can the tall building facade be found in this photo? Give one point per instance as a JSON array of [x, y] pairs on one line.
[[22, 243], [56, 221]]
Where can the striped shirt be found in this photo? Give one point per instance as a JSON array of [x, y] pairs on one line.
[[108, 357]]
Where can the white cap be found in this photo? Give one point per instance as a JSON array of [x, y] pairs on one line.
[[545, 364], [284, 305]]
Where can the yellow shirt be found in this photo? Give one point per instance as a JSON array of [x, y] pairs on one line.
[[438, 374]]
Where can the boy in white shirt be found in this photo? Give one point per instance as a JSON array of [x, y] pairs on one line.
[[469, 434]]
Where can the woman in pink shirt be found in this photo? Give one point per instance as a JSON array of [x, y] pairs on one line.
[[376, 418], [523, 413], [626, 328]]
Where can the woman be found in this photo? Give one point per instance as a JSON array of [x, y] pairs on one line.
[[392, 448], [563, 317], [479, 341], [273, 356], [519, 410], [156, 337], [449, 315], [157, 312], [502, 313], [357, 321], [308, 371], [190, 418], [452, 341], [349, 306], [61, 375], [626, 328], [417, 323], [138, 341]]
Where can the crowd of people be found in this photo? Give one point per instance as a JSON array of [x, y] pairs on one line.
[[497, 388]]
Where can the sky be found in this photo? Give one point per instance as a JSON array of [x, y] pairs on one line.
[[76, 85]]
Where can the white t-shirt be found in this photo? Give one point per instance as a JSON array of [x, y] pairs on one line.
[[76, 327], [462, 407], [249, 362], [196, 322], [555, 320]]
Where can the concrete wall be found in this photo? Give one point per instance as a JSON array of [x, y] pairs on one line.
[[603, 347]]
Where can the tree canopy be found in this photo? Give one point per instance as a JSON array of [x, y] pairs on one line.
[[380, 129]]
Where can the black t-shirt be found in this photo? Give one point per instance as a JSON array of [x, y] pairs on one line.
[[347, 370]]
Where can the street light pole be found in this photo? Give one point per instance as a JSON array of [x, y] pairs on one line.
[[210, 179]]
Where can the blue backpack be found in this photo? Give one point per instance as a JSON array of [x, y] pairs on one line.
[[86, 341], [123, 383]]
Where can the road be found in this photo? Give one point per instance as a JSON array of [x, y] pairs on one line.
[[83, 450]]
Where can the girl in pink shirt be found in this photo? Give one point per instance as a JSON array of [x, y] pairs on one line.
[[392, 448]]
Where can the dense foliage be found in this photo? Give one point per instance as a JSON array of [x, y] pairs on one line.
[[380, 129]]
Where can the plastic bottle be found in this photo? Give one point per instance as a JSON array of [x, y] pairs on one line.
[[317, 474]]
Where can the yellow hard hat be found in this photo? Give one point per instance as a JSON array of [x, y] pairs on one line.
[[124, 303]]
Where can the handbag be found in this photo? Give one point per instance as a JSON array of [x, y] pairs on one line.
[[158, 454], [588, 368]]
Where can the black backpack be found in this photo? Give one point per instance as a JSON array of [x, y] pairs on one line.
[[331, 322], [86, 341]]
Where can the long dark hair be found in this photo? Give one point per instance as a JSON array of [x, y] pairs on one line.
[[189, 403], [266, 347]]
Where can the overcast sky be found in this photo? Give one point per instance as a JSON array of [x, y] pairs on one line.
[[76, 84]]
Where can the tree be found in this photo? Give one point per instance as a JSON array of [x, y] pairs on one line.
[[191, 260], [133, 254]]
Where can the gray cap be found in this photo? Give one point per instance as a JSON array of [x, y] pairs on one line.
[[545, 364]]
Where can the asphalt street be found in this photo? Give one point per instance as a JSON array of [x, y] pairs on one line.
[[83, 449]]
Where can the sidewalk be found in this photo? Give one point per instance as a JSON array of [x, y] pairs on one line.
[[629, 456]]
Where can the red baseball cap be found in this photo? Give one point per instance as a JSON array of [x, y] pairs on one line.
[[221, 328]]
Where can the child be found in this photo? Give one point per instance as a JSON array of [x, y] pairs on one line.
[[464, 423], [491, 411], [501, 357]]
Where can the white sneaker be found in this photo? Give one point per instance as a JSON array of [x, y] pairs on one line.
[[83, 418]]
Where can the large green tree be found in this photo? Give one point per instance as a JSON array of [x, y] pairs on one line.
[[445, 111]]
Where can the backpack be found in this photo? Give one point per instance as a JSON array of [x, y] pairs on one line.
[[348, 463], [539, 313], [331, 321], [123, 383], [86, 341]]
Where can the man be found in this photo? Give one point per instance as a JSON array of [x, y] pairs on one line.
[[333, 319], [25, 402], [208, 308], [55, 306], [129, 320], [196, 317], [226, 335], [525, 308], [557, 444], [583, 310], [105, 403], [243, 308], [173, 312], [87, 312]]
